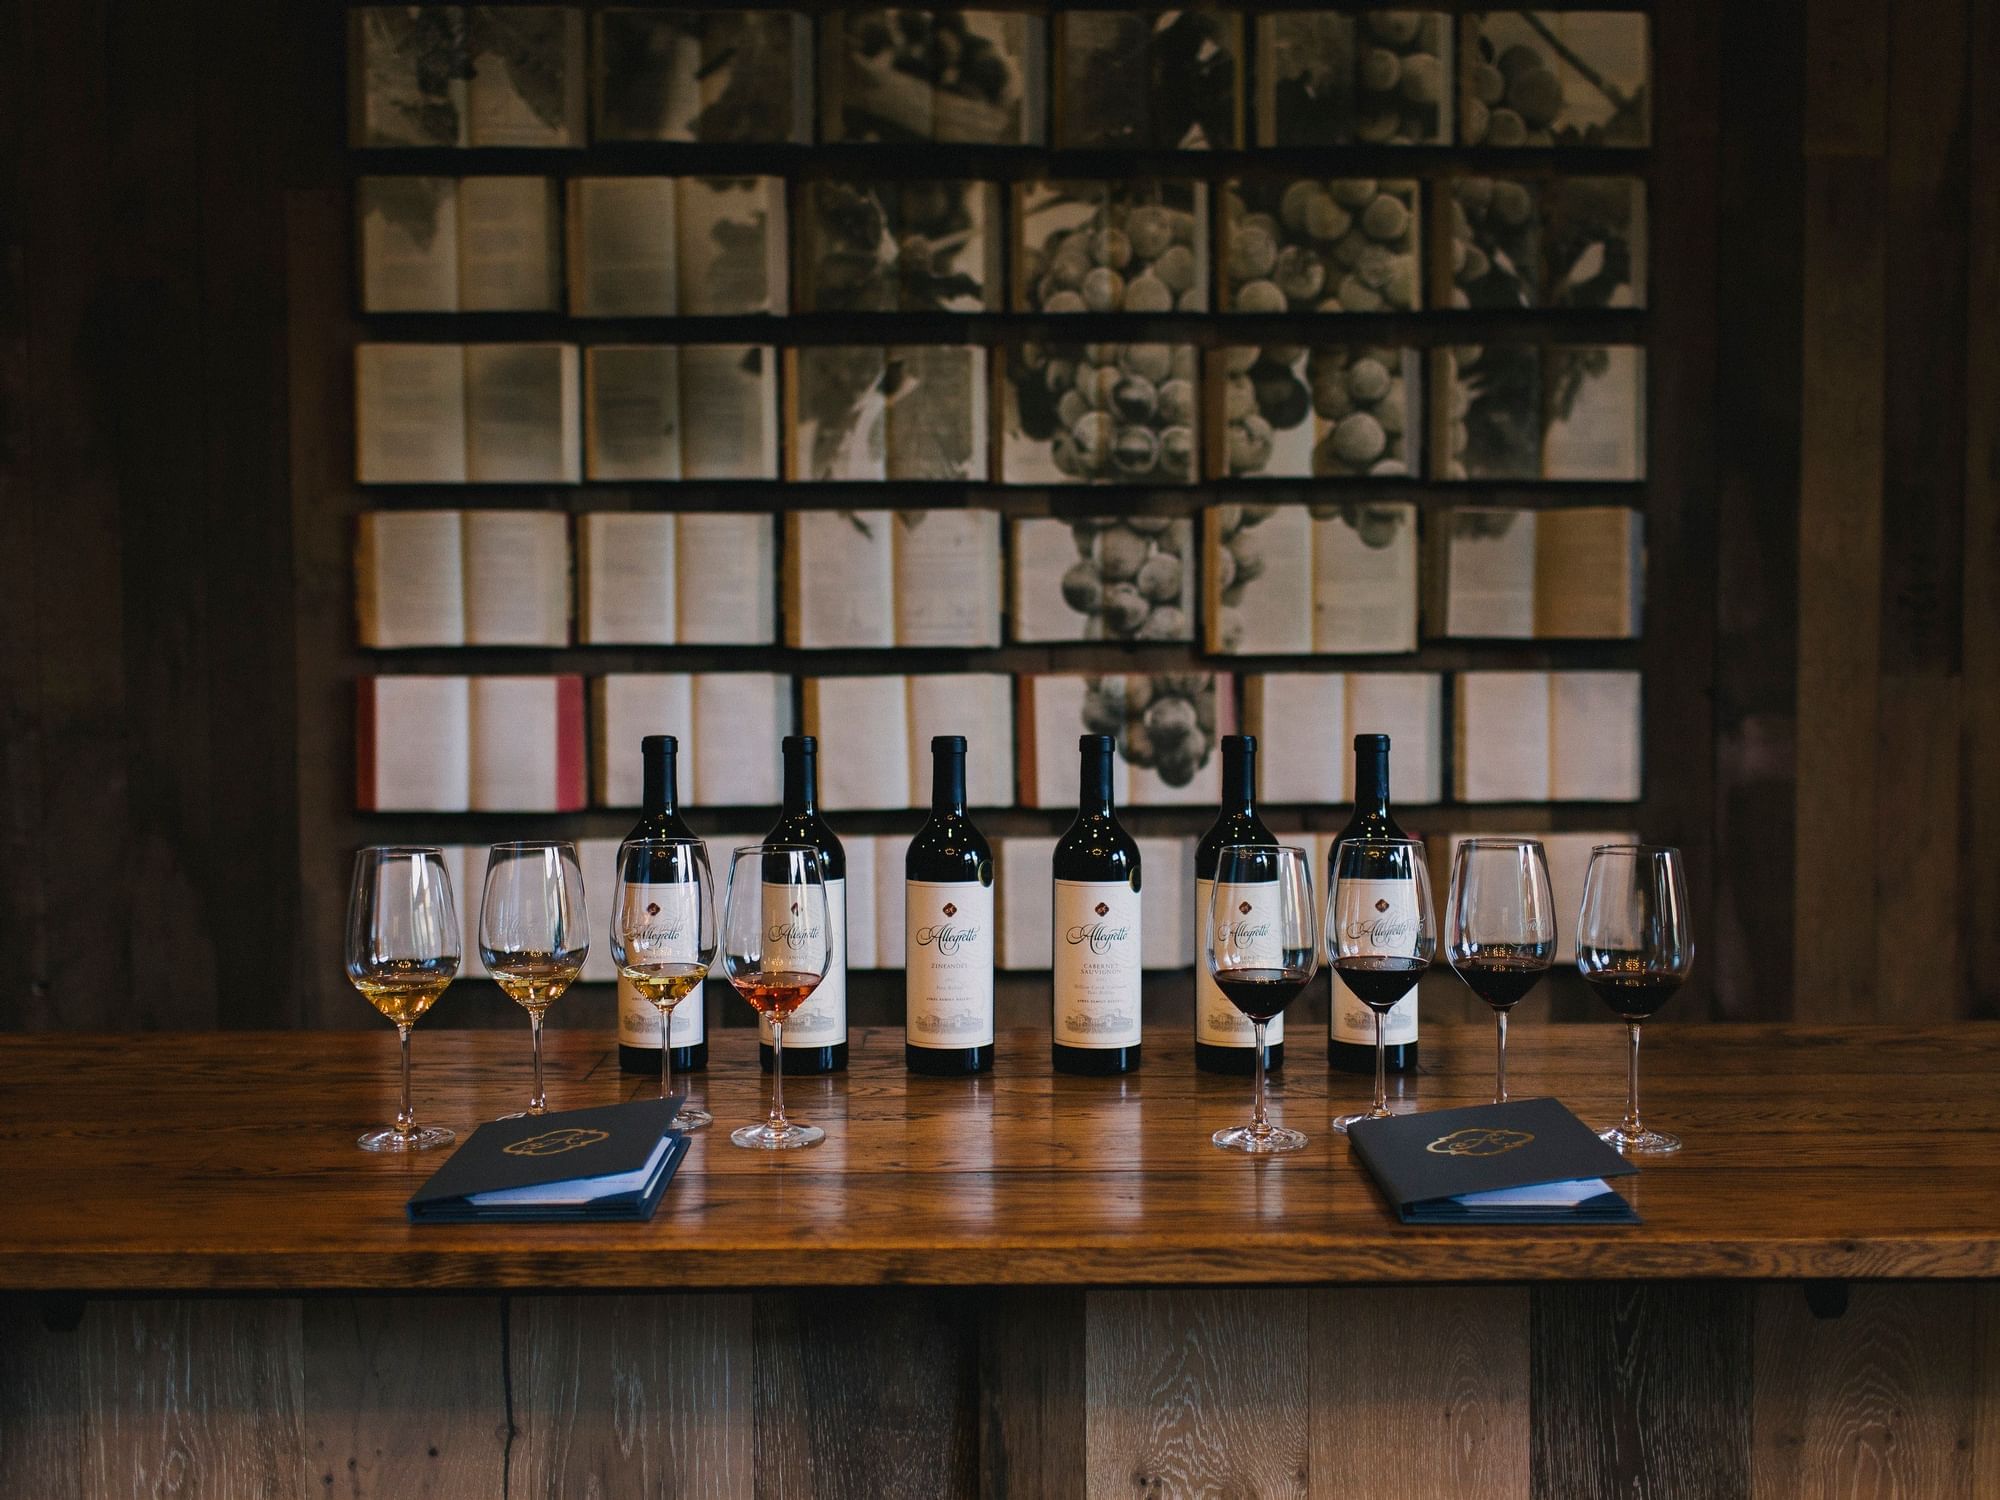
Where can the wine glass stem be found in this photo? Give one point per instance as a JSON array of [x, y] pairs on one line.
[[777, 1074], [666, 1051], [1381, 1066], [1500, 1088], [1632, 1127], [406, 1116], [538, 1103], [1259, 1122]]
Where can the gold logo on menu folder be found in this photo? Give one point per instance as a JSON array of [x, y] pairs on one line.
[[555, 1142], [1479, 1141]]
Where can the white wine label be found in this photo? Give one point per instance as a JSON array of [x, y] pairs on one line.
[[1383, 915], [822, 1020], [948, 963], [1096, 964], [1217, 1023], [639, 1019]]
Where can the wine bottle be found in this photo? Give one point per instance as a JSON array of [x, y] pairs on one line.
[[638, 1021], [1351, 1024], [1224, 1039], [816, 1033], [1096, 1015], [948, 929]]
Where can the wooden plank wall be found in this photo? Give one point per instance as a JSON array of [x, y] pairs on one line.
[[1647, 1390]]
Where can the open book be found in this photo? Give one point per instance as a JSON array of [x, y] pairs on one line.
[[1075, 413], [1131, 245], [462, 578], [889, 246], [1100, 578], [1318, 245], [480, 75], [1298, 580], [892, 578], [660, 246], [906, 412], [469, 744], [1526, 411], [1305, 723], [875, 734], [1168, 726], [458, 244], [656, 578], [466, 413], [689, 411], [1548, 737], [1166, 79], [1512, 574], [905, 74], [703, 75], [729, 725], [1330, 411]]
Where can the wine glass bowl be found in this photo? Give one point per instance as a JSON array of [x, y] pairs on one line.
[[663, 937], [776, 947], [1634, 948], [533, 931], [1381, 934], [1500, 928], [402, 953], [1261, 947]]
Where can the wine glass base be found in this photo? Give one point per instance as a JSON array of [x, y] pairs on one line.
[[1260, 1140], [766, 1137], [1341, 1122], [1640, 1143], [686, 1118], [420, 1138]]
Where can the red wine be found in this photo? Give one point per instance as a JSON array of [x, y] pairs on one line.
[[1350, 1044], [1379, 980], [948, 930], [1222, 1042], [1095, 1015], [815, 1038], [1500, 980], [1262, 993], [1634, 994], [638, 1020]]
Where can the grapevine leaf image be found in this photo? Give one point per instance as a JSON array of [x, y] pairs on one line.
[[529, 41], [413, 56], [410, 205]]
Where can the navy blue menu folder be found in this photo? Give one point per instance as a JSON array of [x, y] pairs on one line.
[[1528, 1161], [611, 1162]]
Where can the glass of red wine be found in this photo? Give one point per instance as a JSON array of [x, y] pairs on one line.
[[1381, 934], [1500, 927], [775, 950], [1261, 944], [1634, 946]]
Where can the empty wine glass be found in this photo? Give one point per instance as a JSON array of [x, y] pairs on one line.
[[1500, 927], [775, 948], [402, 953], [1381, 934], [663, 936], [1634, 946], [533, 933], [1261, 945]]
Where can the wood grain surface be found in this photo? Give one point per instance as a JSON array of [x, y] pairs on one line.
[[228, 1162]]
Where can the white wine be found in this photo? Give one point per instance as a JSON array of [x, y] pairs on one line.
[[532, 980], [638, 1027], [664, 984], [403, 989]]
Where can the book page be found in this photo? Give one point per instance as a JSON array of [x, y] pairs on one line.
[[648, 76], [836, 413], [1503, 736], [874, 83], [527, 744], [409, 413], [409, 243], [622, 247], [516, 578], [1595, 737], [507, 245], [978, 705], [625, 708], [867, 858], [409, 579], [1589, 572], [731, 240], [632, 412], [1058, 708], [756, 77], [1597, 413], [885, 864], [726, 578], [406, 75], [414, 753], [839, 578], [862, 724], [1490, 572], [527, 75], [521, 414], [625, 565], [1300, 721], [947, 577], [1166, 903], [1172, 737], [960, 225], [1045, 566], [995, 95], [1365, 579], [739, 719], [1026, 901], [1104, 80], [1409, 708], [729, 411], [1260, 579], [937, 427]]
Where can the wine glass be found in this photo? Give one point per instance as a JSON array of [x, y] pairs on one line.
[[1500, 927], [533, 933], [1261, 944], [775, 950], [1380, 933], [1634, 946], [402, 953], [663, 936]]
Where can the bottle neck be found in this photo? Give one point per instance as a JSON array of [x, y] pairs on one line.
[[801, 782], [1239, 780], [661, 795], [1371, 784], [948, 784], [1093, 797]]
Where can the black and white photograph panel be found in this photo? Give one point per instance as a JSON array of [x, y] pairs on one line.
[[1554, 78]]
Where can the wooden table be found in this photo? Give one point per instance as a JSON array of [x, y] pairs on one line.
[[1018, 1285]]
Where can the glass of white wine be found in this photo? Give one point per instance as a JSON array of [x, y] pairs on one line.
[[533, 932], [663, 937], [402, 953]]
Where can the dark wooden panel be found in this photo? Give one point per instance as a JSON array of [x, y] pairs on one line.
[[1640, 1391], [1032, 1410], [1198, 1393], [193, 1398], [406, 1397], [865, 1395], [645, 1395], [41, 1400], [1421, 1392]]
